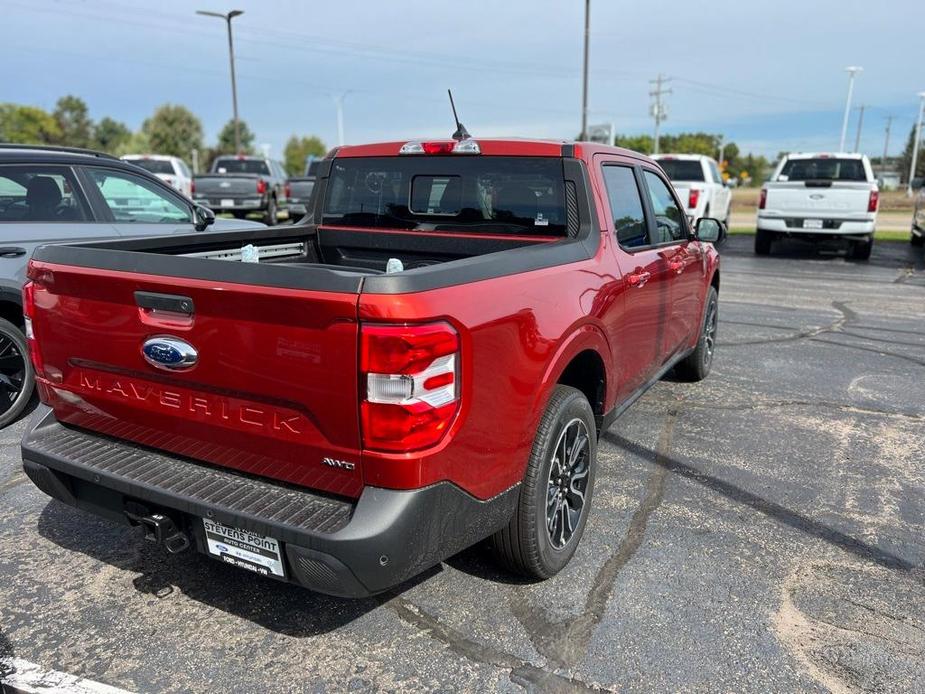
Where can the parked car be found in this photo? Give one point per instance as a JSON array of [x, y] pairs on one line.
[[430, 362], [917, 236], [820, 197], [243, 185], [171, 170], [300, 191], [51, 194], [699, 183]]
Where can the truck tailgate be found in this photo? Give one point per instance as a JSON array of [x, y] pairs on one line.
[[842, 200], [227, 185], [272, 391]]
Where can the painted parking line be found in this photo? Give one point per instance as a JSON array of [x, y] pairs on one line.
[[18, 676]]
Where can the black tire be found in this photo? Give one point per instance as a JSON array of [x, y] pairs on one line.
[[860, 250], [696, 365], [527, 546], [917, 241], [17, 380], [763, 241], [270, 217]]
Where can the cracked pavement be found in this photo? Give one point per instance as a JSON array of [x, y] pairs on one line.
[[762, 530]]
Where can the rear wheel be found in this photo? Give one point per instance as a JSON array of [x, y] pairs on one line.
[[860, 250], [696, 365], [270, 217], [555, 495], [16, 377], [763, 241]]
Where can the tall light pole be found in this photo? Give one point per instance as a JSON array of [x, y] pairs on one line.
[[339, 102], [852, 71], [918, 139], [857, 139], [584, 89], [886, 143], [234, 86]]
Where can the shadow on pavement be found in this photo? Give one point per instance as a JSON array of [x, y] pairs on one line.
[[769, 508], [280, 607]]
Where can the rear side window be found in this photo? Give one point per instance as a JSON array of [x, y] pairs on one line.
[[823, 168], [40, 194], [249, 166], [629, 221], [669, 220], [478, 194], [681, 170]]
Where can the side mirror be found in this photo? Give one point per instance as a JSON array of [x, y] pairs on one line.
[[203, 217], [710, 230]]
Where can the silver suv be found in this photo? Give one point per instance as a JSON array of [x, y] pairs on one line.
[[60, 195]]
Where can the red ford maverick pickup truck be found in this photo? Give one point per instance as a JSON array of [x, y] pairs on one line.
[[426, 362]]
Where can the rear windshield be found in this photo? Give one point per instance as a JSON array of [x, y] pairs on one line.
[[679, 170], [500, 195], [826, 169], [250, 166], [156, 166]]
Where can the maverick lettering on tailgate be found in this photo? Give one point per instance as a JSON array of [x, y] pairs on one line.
[[206, 407]]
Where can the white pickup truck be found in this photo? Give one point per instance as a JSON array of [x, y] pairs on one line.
[[818, 197], [699, 185]]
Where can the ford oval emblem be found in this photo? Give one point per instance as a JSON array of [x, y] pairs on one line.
[[170, 353]]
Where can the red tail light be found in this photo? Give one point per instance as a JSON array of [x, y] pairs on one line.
[[192, 187], [28, 308], [288, 190], [873, 201], [762, 198], [693, 197], [261, 186], [412, 385]]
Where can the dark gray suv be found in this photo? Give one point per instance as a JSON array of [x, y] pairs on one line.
[[52, 195]]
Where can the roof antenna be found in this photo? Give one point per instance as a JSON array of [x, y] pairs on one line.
[[461, 132]]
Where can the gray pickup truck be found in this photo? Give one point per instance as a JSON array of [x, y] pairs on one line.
[[243, 185], [300, 191]]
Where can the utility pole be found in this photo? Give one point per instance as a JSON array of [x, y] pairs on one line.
[[234, 86], [886, 143], [915, 145], [722, 148], [584, 89], [659, 111], [852, 71], [339, 102], [857, 138]]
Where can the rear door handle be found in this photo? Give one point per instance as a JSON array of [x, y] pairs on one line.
[[11, 251], [638, 278]]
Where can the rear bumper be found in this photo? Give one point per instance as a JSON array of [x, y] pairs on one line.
[[335, 546], [831, 226], [237, 204]]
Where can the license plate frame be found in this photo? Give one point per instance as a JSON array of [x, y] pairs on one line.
[[244, 549], [812, 223], [227, 202]]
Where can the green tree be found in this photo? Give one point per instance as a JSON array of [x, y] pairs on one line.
[[226, 139], [298, 149], [109, 135], [136, 143], [173, 130], [644, 144], [74, 122], [27, 125]]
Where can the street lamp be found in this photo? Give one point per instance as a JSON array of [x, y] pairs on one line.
[[234, 87], [852, 71], [584, 87], [918, 139]]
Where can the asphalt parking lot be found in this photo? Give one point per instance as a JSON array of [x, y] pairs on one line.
[[760, 531]]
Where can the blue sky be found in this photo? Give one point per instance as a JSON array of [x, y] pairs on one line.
[[769, 75]]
